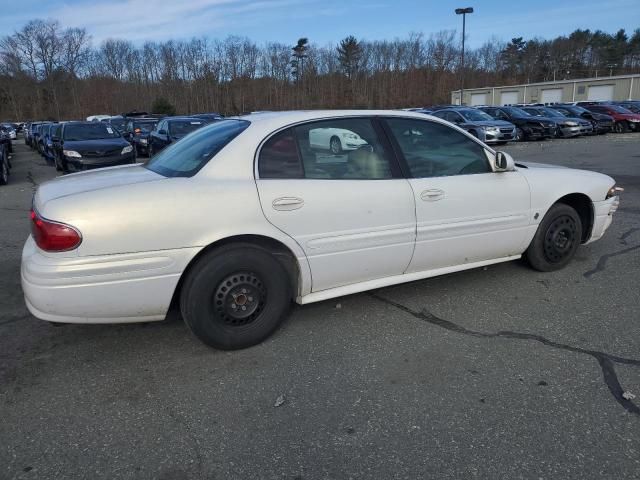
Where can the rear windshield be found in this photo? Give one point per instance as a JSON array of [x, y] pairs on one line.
[[182, 127], [186, 157], [475, 115], [145, 126], [89, 131]]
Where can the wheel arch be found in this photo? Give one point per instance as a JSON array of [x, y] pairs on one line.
[[279, 250], [583, 205]]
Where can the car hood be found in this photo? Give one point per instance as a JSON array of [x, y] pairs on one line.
[[493, 123], [90, 181], [537, 165], [95, 145]]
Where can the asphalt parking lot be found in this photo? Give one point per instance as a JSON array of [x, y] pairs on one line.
[[494, 373]]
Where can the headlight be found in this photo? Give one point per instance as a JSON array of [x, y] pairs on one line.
[[634, 120], [614, 191], [143, 141], [352, 136], [492, 129], [126, 150], [71, 153], [570, 124]]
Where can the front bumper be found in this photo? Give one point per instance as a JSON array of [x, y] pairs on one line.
[[570, 131], [603, 216], [87, 163], [133, 287], [502, 135]]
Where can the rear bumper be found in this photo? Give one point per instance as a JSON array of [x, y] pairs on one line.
[[603, 216], [135, 287]]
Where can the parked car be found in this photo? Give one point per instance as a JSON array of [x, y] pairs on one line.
[[39, 137], [97, 118], [47, 142], [528, 127], [601, 123], [171, 129], [87, 145], [624, 120], [9, 130], [5, 164], [243, 216], [137, 132], [31, 134], [118, 122], [567, 126], [479, 124], [5, 152], [335, 140]]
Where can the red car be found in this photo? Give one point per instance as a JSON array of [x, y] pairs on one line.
[[625, 120]]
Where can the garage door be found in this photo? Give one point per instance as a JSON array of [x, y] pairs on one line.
[[508, 97], [478, 99], [601, 92], [551, 95]]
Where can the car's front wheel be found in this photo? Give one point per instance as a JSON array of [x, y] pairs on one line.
[[235, 296], [620, 127], [556, 240], [335, 145], [519, 135]]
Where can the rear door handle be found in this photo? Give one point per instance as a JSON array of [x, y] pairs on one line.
[[287, 203], [432, 195]]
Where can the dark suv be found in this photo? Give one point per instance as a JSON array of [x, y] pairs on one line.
[[528, 127], [137, 131], [601, 123]]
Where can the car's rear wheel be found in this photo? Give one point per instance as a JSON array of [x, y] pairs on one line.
[[519, 135], [556, 240], [235, 296]]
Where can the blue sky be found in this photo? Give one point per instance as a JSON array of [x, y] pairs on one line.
[[322, 21]]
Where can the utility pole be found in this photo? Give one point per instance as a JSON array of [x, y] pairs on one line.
[[463, 12]]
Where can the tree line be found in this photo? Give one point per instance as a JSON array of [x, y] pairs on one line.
[[49, 72]]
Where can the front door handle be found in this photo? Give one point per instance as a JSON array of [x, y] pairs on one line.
[[432, 195], [287, 203]]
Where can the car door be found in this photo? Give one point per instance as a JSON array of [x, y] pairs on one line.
[[465, 211], [351, 212]]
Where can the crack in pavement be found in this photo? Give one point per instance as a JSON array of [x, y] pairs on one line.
[[605, 360], [623, 237], [602, 261]]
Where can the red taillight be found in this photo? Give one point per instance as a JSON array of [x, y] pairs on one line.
[[53, 236]]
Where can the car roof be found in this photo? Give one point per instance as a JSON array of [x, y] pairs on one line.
[[186, 117]]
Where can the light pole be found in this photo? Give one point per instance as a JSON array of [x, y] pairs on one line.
[[463, 12]]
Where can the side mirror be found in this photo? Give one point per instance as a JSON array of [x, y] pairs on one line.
[[504, 162]]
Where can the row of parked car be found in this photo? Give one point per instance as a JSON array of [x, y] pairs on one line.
[[103, 141], [521, 122]]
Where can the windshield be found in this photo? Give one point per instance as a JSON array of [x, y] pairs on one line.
[[89, 131], [145, 126], [618, 109], [517, 112], [186, 157], [550, 112], [475, 115], [180, 128]]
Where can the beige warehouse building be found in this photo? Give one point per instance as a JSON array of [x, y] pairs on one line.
[[620, 87]]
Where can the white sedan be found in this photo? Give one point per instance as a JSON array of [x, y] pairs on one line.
[[241, 217], [335, 139]]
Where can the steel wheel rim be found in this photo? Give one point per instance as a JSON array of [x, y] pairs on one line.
[[560, 239], [240, 298]]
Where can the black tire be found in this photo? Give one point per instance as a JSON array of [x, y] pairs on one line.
[[520, 136], [556, 240], [620, 127], [57, 163], [4, 171], [226, 280], [335, 145]]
